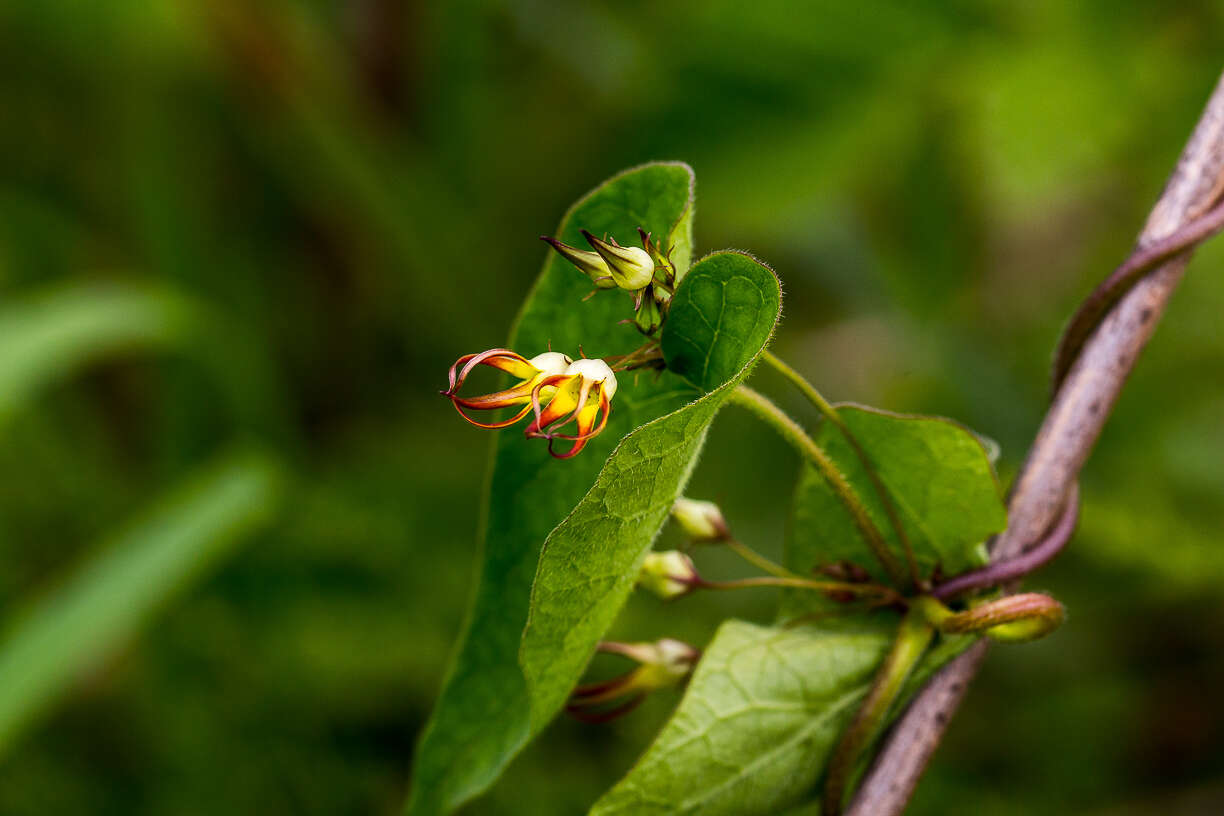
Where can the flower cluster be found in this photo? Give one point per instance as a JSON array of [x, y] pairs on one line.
[[556, 389], [647, 272]]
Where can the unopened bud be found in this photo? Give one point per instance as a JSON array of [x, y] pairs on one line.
[[673, 661], [631, 267], [1012, 618], [665, 273], [590, 264], [648, 318], [668, 574], [661, 664], [700, 520]]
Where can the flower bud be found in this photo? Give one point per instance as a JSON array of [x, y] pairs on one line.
[[700, 520], [648, 318], [671, 661], [631, 267], [668, 574], [661, 664], [1012, 618], [590, 264]]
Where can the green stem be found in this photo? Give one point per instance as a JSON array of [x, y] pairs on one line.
[[830, 413], [801, 583], [911, 642], [757, 560], [761, 407]]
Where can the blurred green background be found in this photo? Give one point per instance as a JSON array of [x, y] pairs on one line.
[[272, 226]]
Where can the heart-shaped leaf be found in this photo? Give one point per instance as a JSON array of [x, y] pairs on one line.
[[938, 476], [720, 320], [481, 719]]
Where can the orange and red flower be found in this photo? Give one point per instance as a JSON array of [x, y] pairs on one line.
[[582, 395], [555, 388]]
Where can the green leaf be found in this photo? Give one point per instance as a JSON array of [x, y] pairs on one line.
[[939, 477], [760, 718], [482, 717], [69, 631], [714, 318], [590, 563]]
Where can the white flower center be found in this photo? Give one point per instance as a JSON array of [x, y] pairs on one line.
[[595, 371], [551, 362]]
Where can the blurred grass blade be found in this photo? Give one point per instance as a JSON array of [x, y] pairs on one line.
[[48, 336], [74, 627], [45, 337]]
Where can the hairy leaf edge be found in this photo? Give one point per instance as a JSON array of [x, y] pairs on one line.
[[540, 719]]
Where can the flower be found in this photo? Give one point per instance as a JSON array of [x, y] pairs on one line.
[[583, 395], [525, 393], [661, 664], [557, 389], [668, 574]]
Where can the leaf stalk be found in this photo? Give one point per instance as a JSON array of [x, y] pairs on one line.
[[764, 409], [912, 639], [827, 410]]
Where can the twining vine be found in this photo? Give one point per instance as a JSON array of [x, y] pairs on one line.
[[1190, 210], [570, 399], [894, 513]]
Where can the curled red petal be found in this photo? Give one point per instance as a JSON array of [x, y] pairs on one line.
[[455, 382], [585, 433], [501, 359], [504, 360], [584, 393], [504, 423], [561, 405], [516, 395]]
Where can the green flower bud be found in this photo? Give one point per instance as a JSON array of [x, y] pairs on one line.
[[648, 318], [590, 264], [665, 273], [1012, 618], [631, 267], [668, 574], [700, 520]]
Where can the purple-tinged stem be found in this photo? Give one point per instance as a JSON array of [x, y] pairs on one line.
[[1002, 572]]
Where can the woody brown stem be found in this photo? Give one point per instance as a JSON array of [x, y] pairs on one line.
[[1067, 435]]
